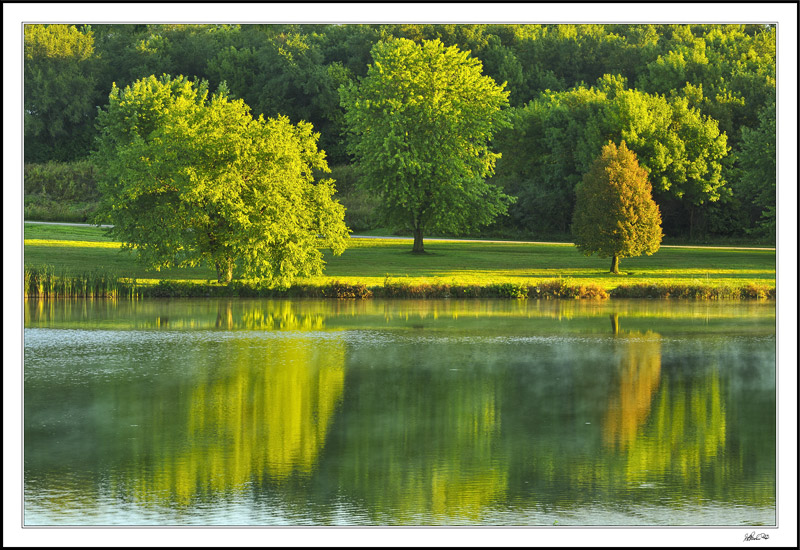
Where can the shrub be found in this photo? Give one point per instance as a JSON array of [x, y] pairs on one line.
[[61, 181], [343, 290], [693, 292]]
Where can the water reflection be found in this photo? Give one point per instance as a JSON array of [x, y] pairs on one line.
[[639, 378], [662, 429], [421, 442], [505, 315], [499, 412], [265, 418], [204, 422]]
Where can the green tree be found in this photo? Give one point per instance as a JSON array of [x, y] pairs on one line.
[[421, 123], [187, 180], [758, 171], [59, 86], [287, 75], [615, 214], [556, 137]]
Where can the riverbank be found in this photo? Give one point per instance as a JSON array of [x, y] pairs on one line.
[[46, 283], [82, 261]]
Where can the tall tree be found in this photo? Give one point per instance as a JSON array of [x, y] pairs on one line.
[[615, 214], [59, 88], [187, 180], [421, 123]]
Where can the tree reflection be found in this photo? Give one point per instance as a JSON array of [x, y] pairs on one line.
[[639, 377], [687, 434], [422, 445], [404, 425], [662, 428], [263, 419]]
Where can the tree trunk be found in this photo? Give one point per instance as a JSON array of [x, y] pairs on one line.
[[615, 264], [418, 247], [225, 319], [224, 271], [614, 323]]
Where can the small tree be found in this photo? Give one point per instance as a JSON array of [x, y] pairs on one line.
[[186, 181], [421, 122], [615, 215]]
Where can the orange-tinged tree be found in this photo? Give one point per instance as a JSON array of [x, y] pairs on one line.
[[615, 214]]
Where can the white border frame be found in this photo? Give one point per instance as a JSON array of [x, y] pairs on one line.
[[784, 14]]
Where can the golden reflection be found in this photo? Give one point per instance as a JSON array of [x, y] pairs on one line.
[[266, 419], [640, 375], [662, 428]]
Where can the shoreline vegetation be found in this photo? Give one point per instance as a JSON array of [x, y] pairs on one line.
[[43, 282]]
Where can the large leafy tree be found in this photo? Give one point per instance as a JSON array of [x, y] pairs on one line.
[[615, 214], [421, 122], [188, 180]]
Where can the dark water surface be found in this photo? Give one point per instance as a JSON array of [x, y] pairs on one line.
[[495, 412]]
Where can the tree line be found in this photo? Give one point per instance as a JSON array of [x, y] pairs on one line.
[[695, 103]]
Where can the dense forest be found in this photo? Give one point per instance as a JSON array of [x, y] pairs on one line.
[[697, 103]]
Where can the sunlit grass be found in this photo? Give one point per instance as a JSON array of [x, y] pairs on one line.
[[372, 262], [71, 244]]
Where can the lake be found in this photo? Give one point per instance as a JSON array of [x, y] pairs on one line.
[[439, 412]]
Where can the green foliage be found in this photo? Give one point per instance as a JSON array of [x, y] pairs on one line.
[[615, 215], [421, 122], [678, 94], [361, 207], [540, 163], [59, 92], [64, 181], [287, 75], [758, 171], [45, 209], [187, 180], [60, 191], [727, 70], [750, 291], [555, 138], [45, 282]]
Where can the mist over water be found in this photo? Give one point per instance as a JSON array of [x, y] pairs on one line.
[[438, 412]]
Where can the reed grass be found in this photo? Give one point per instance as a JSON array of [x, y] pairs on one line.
[[45, 282]]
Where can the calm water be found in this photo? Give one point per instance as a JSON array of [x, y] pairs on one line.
[[258, 412]]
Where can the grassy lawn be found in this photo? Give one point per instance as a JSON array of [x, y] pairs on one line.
[[370, 261]]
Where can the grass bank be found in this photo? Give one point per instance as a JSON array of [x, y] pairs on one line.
[[386, 268]]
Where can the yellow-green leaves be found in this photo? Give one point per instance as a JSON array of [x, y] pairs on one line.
[[420, 125], [186, 180]]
